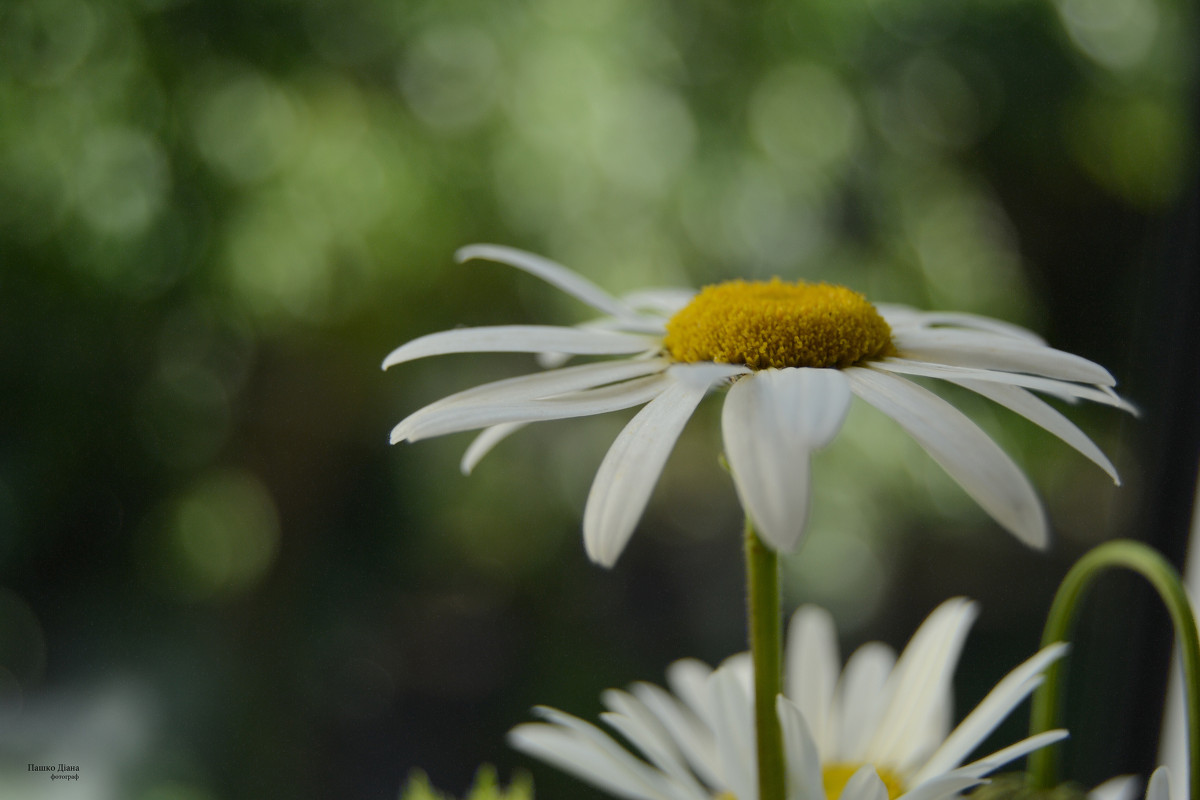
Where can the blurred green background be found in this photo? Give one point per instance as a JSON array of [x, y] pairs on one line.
[[218, 581]]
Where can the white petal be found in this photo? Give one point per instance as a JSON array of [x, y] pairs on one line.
[[1011, 753], [961, 447], [990, 712], [439, 421], [637, 724], [770, 424], [1065, 390], [482, 444], [552, 272], [734, 731], [864, 784], [693, 737], [1160, 785], [630, 470], [992, 351], [1040, 413], [540, 385], [942, 786], [919, 684], [661, 301], [811, 671], [904, 316], [1122, 787], [861, 699], [520, 339], [688, 679], [800, 751], [587, 752]]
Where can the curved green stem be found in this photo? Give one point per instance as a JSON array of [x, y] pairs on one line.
[[766, 648], [1147, 562]]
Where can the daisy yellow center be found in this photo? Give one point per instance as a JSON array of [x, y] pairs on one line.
[[774, 323], [835, 777]]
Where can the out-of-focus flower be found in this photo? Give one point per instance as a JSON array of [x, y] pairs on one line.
[[879, 730], [793, 355]]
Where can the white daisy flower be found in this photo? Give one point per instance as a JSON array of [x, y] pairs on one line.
[[793, 355], [879, 730]]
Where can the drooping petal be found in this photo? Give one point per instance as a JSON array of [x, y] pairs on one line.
[[439, 422], [1071, 392], [540, 385], [985, 350], [1043, 415], [800, 752], [520, 339], [630, 469], [482, 444], [990, 712], [770, 424], [961, 447], [918, 684], [898, 316], [811, 671], [861, 699], [552, 272]]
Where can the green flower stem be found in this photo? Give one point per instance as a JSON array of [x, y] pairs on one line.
[[766, 647], [1147, 562]]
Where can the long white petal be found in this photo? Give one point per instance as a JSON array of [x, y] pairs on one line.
[[770, 424], [520, 339], [637, 724], [942, 787], [1011, 753], [811, 671], [630, 470], [861, 699], [961, 447], [993, 351], [552, 272], [540, 385], [584, 750], [660, 301], [990, 712], [693, 737], [903, 316], [734, 731], [800, 751], [482, 444], [688, 679], [1065, 390], [918, 684], [1043, 415], [439, 422]]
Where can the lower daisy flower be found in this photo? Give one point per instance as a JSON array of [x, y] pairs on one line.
[[877, 731], [792, 355]]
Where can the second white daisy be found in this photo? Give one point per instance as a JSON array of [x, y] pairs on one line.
[[877, 730]]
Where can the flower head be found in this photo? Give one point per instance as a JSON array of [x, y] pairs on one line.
[[792, 355], [879, 730]]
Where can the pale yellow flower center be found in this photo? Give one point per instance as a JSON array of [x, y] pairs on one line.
[[835, 777], [765, 324]]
